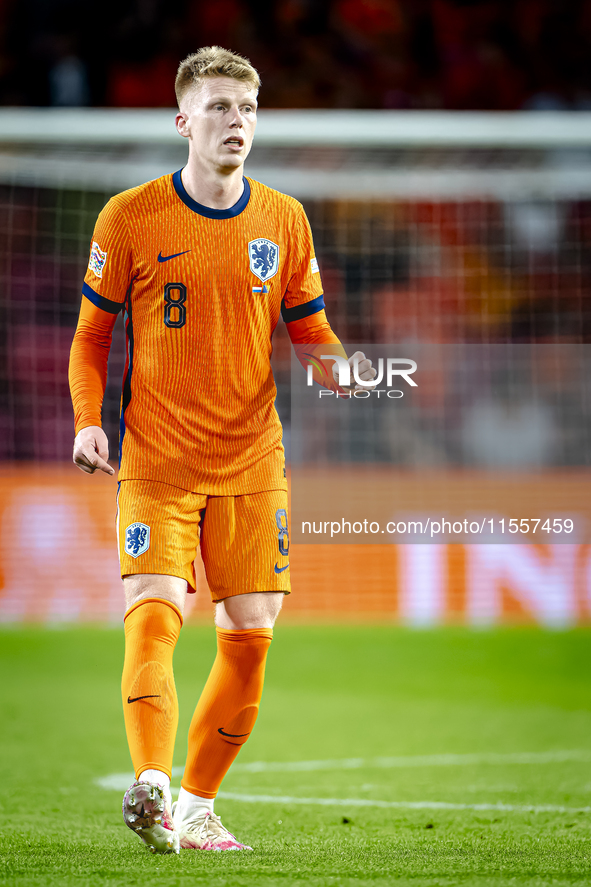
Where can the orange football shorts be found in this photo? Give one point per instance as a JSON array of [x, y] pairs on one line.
[[244, 539]]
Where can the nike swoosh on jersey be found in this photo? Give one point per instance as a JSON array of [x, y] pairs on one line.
[[280, 569], [231, 735], [162, 258]]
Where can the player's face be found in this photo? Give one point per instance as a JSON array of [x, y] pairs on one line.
[[219, 118]]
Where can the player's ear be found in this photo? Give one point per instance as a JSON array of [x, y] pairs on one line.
[[182, 126]]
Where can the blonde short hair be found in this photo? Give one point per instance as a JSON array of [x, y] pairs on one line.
[[213, 61]]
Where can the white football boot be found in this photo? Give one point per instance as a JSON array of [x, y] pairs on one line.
[[146, 811], [204, 831]]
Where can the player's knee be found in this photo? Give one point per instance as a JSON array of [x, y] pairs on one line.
[[246, 611], [150, 585]]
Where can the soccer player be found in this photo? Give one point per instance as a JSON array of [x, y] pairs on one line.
[[202, 262]]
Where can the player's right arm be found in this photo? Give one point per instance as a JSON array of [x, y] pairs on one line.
[[103, 295]]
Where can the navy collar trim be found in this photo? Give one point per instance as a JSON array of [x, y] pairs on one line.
[[207, 211]]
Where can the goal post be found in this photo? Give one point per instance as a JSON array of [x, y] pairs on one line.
[[394, 154]]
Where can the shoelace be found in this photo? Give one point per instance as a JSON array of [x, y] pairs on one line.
[[207, 825]]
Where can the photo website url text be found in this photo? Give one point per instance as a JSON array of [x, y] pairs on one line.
[[432, 528]]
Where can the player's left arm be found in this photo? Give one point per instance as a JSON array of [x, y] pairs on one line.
[[315, 331], [304, 312]]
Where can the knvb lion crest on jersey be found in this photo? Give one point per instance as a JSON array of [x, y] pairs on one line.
[[137, 539], [264, 258]]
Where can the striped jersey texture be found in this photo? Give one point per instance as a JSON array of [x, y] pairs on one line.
[[202, 291]]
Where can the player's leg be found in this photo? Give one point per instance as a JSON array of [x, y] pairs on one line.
[[153, 619], [245, 550], [242, 612], [156, 575]]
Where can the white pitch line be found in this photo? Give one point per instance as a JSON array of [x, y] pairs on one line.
[[444, 760], [117, 782], [122, 780], [401, 805]]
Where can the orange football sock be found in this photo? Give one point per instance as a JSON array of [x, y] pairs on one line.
[[227, 709], [150, 705]]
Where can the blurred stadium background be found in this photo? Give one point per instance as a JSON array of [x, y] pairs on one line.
[[442, 151]]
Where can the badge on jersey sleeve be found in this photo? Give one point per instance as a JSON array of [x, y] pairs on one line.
[[264, 258], [97, 259], [137, 539]]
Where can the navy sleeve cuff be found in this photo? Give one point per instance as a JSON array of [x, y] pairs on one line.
[[298, 312], [100, 301]]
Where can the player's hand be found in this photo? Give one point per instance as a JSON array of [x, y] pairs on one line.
[[365, 371], [91, 450]]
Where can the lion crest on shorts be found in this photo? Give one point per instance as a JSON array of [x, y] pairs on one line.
[[137, 539]]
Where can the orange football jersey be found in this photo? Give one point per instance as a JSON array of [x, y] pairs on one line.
[[202, 290]]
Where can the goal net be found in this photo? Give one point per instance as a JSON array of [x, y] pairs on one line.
[[430, 229]]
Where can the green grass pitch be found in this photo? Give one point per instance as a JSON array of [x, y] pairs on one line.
[[333, 694]]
